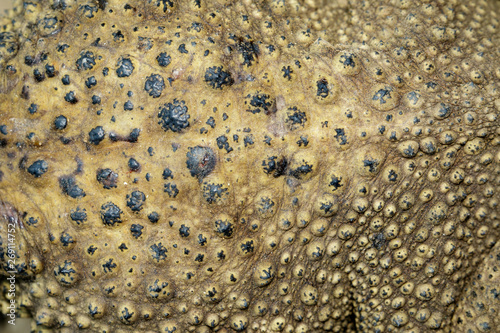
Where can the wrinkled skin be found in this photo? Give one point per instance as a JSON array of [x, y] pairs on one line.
[[251, 166]]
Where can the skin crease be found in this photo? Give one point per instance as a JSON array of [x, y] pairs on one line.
[[251, 166]]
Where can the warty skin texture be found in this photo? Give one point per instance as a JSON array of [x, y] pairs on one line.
[[252, 166]]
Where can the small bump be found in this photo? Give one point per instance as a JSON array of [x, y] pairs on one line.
[[96, 135], [174, 116], [125, 68], [408, 149], [154, 85], [60, 122], [346, 63], [224, 226], [441, 111], [66, 273], [264, 273], [309, 295], [127, 313], [200, 161], [38, 168], [160, 289], [217, 78], [383, 97], [239, 323]]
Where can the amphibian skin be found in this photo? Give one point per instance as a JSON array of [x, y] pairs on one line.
[[252, 166]]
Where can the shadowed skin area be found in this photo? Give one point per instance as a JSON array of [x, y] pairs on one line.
[[251, 166]]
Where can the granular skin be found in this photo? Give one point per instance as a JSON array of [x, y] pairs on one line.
[[251, 166]]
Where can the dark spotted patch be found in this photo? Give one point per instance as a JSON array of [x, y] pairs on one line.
[[184, 231], [118, 36], [86, 61], [429, 148], [247, 247], [217, 78], [379, 241], [88, 10], [223, 143], [79, 215], [214, 193], [96, 99], [109, 265], [287, 72], [382, 95], [66, 273], [182, 48], [322, 88], [174, 116], [135, 200], [62, 48], [159, 252], [125, 67], [167, 173], [110, 214], [91, 249], [96, 135], [224, 228], [107, 178], [128, 106], [171, 189], [211, 122], [154, 217], [392, 176], [327, 206], [66, 239], [444, 111], [38, 168], [69, 187], [155, 289], [163, 59], [65, 80], [301, 170], [413, 97], [260, 102], [202, 240], [265, 205], [136, 230], [154, 85], [409, 151], [71, 98], [39, 76], [200, 161], [164, 5], [133, 135], [372, 164], [341, 136], [295, 118], [335, 182], [248, 140], [60, 122], [91, 82], [249, 51], [303, 141], [347, 60], [145, 43], [133, 165], [274, 166]]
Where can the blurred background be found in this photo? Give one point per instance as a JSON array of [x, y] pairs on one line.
[[22, 324], [4, 4]]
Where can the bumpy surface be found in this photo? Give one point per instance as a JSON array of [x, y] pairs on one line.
[[252, 166]]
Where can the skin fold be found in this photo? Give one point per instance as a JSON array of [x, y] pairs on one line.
[[251, 166]]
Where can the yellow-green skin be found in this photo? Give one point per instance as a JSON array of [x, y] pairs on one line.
[[346, 177]]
